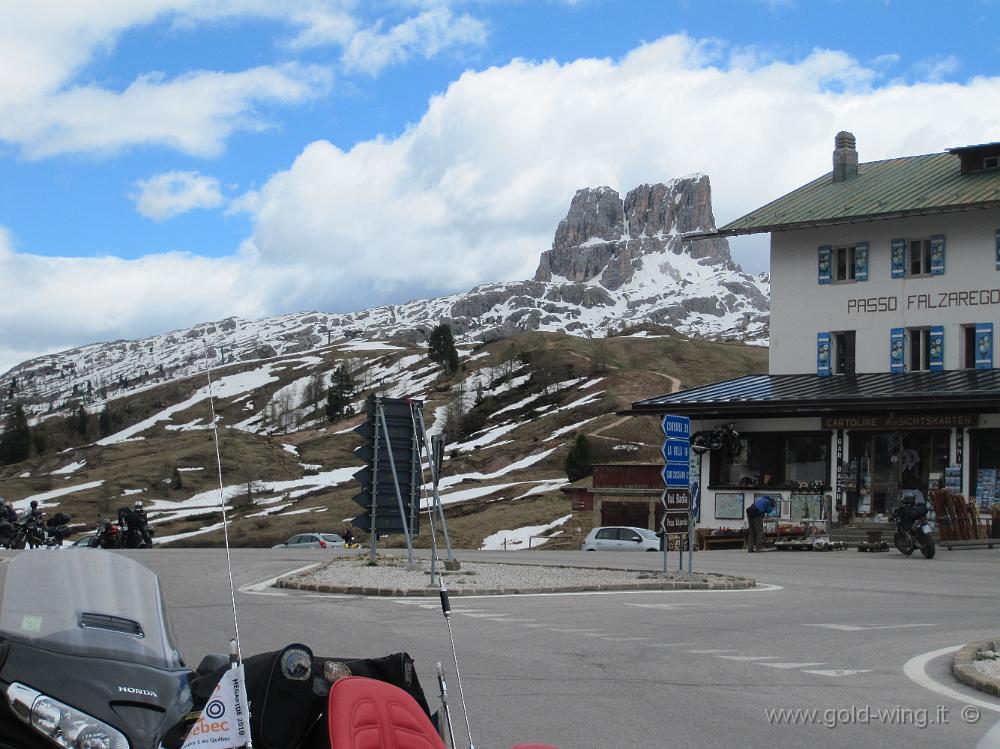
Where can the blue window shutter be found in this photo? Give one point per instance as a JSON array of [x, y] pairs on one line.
[[898, 258], [998, 248], [861, 261], [984, 345], [897, 350], [937, 255], [825, 263], [823, 354], [935, 354]]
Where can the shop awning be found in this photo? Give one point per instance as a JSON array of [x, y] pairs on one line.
[[811, 395]]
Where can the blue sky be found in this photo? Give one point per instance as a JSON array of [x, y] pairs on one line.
[[163, 162]]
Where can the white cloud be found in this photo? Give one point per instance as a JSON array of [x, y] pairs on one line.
[[426, 35], [173, 193], [194, 113], [938, 68], [473, 191], [45, 109]]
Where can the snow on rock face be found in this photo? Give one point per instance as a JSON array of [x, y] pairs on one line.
[[614, 262]]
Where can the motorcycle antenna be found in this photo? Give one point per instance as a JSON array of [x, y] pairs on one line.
[[222, 504], [446, 610]]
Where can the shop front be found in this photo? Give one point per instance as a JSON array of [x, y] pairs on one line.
[[817, 444]]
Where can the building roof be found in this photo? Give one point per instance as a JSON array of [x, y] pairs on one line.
[[894, 188], [965, 390]]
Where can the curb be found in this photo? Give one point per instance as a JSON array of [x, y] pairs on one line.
[[292, 582], [965, 672]]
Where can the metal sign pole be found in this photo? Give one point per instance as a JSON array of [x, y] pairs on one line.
[[416, 412], [395, 480], [373, 530], [435, 478]]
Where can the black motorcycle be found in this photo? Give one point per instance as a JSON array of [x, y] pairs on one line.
[[912, 530], [87, 661], [32, 532], [134, 531], [723, 437]]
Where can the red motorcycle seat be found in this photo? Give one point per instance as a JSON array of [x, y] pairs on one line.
[[371, 714]]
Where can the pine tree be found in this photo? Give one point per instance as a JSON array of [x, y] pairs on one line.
[[104, 422], [441, 348], [578, 461], [82, 421], [340, 395], [15, 443]]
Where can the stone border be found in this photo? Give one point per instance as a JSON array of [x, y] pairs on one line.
[[965, 672], [294, 582]]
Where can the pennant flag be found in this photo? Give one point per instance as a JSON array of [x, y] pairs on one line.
[[225, 719]]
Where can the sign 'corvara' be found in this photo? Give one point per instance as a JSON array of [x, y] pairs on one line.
[[932, 300]]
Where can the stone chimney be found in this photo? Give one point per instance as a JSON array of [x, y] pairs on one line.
[[845, 156]]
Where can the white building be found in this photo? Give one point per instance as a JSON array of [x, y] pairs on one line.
[[885, 282]]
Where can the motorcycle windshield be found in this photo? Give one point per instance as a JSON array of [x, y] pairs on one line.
[[87, 602]]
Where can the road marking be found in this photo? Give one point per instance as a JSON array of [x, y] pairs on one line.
[[599, 634], [669, 606], [573, 631], [670, 644], [487, 615], [760, 588], [860, 627], [914, 669], [837, 671], [747, 657], [612, 638], [791, 665], [701, 652], [519, 621], [260, 589]]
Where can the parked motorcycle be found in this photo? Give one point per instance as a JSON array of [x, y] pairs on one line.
[[32, 533], [87, 661], [132, 531], [912, 529], [723, 437]]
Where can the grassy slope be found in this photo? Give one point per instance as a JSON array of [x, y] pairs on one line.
[[632, 368]]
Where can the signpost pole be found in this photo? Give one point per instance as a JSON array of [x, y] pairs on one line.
[[677, 478]]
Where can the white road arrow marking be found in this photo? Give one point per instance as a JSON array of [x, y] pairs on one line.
[[837, 671], [791, 665], [860, 627]]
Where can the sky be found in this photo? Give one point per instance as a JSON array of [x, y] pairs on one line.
[[169, 162]]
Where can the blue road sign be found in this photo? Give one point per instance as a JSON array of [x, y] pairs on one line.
[[677, 451], [676, 427], [676, 475], [696, 499]]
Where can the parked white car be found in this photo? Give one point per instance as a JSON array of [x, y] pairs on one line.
[[312, 541], [621, 538]]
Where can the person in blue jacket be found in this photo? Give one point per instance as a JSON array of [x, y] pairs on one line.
[[755, 519]]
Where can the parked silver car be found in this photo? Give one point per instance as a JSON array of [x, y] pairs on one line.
[[312, 541], [621, 538]]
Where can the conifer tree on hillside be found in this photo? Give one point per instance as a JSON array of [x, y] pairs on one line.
[[579, 460], [340, 395], [104, 422], [441, 348], [15, 444], [82, 421]]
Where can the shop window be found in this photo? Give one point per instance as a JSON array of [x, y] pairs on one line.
[[984, 447], [775, 459], [844, 351]]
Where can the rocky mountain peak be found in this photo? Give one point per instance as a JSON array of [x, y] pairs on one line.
[[603, 236]]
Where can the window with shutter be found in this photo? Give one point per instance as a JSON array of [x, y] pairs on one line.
[[823, 354], [984, 345], [825, 262], [997, 240], [937, 255], [897, 350], [935, 349], [898, 255], [861, 261]]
